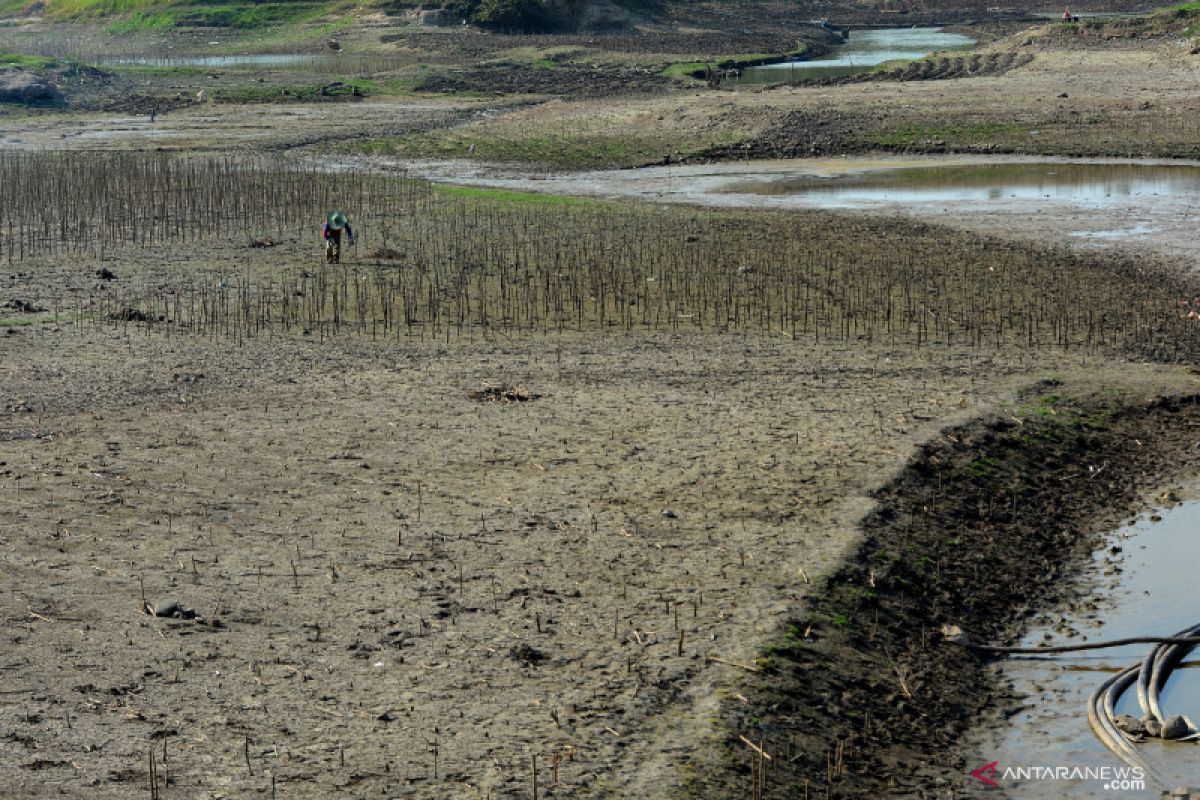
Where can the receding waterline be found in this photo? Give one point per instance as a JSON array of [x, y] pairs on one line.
[[1143, 586]]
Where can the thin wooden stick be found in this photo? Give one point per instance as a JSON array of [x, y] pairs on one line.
[[747, 667]]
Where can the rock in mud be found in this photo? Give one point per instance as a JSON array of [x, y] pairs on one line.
[[1153, 726], [1131, 725], [167, 608], [1175, 727]]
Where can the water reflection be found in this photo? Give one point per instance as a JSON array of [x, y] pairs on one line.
[[1152, 594], [864, 50], [1084, 184]]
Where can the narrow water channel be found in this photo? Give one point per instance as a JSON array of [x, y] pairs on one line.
[[864, 50], [1143, 583]]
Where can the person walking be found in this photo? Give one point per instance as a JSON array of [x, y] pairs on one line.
[[334, 225]]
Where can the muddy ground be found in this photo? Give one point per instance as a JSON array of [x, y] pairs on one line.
[[418, 565], [377, 545], [983, 528]]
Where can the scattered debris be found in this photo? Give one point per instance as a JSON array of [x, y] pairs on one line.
[[173, 609], [106, 274], [264, 243], [526, 654], [24, 306], [386, 254], [132, 315], [497, 392]]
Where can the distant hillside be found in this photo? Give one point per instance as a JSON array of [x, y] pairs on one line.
[[535, 15], [505, 15]]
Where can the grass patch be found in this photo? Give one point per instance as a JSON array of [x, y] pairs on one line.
[[132, 16], [25, 322], [682, 70], [30, 62], [540, 147], [140, 21]]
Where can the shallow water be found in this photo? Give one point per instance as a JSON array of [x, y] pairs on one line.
[[274, 60], [864, 50], [1153, 594], [1082, 184], [326, 62]]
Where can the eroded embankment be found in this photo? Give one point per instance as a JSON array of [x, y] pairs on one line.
[[860, 698]]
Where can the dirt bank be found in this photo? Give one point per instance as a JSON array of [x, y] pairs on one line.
[[860, 698]]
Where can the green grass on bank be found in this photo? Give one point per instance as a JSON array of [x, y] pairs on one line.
[[233, 16], [29, 62], [684, 70], [569, 150], [130, 16]]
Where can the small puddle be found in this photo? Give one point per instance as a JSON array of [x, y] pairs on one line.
[[1081, 184], [277, 60], [864, 50], [1144, 588]]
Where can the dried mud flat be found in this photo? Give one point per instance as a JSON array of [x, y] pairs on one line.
[[403, 589], [450, 567]]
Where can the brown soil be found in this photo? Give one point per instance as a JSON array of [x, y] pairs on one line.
[[403, 590], [977, 65], [378, 547], [565, 80], [408, 588]]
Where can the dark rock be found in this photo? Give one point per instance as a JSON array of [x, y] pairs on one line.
[[1130, 725], [1175, 727], [167, 608], [19, 86]]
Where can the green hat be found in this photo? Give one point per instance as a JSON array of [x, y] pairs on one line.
[[337, 220]]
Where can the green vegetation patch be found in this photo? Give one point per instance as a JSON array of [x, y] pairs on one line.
[[687, 70], [29, 62], [128, 16], [557, 149], [25, 322]]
